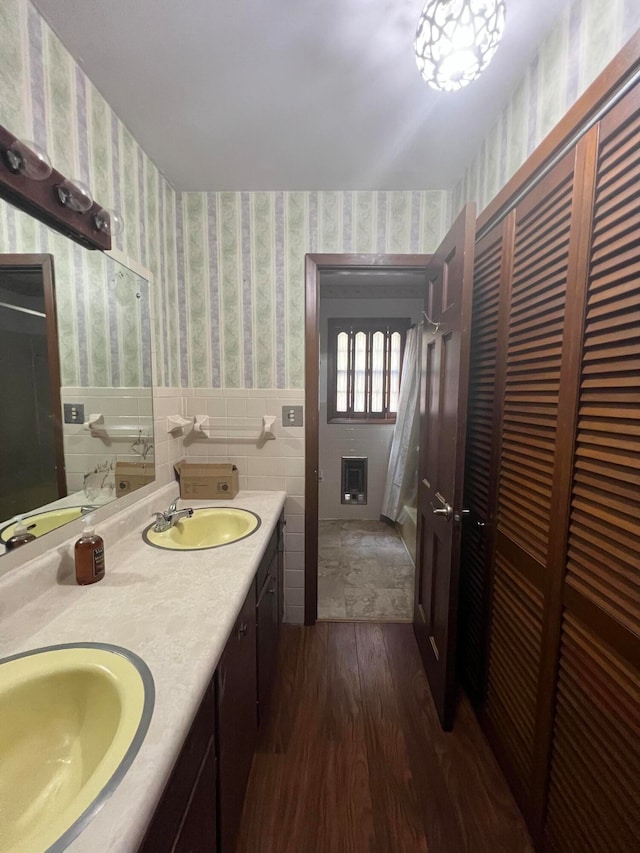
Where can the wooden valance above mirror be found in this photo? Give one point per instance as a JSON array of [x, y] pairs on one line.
[[40, 199]]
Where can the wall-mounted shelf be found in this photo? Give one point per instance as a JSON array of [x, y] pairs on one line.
[[97, 427], [200, 425]]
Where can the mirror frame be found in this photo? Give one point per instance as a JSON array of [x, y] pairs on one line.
[[44, 265]]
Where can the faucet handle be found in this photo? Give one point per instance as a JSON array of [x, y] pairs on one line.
[[173, 507]]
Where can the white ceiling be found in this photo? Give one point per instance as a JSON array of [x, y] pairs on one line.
[[289, 94]]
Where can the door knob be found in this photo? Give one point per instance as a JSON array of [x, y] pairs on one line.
[[446, 510]]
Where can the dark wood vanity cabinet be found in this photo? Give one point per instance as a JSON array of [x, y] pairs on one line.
[[269, 583], [237, 721], [201, 807]]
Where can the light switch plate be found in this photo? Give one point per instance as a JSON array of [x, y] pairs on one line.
[[292, 416], [73, 413]]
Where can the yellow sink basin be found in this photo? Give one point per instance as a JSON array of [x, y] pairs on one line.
[[44, 522], [209, 527], [72, 719]]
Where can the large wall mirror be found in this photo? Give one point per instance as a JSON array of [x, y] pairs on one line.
[[76, 422]]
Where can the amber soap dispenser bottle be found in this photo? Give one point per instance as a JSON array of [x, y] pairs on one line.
[[89, 555]]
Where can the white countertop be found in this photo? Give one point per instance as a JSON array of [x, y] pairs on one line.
[[174, 609]]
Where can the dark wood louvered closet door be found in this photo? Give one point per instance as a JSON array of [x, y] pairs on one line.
[[594, 787], [543, 235], [562, 556], [491, 288]]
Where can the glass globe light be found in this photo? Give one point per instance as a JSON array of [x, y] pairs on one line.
[[29, 159], [75, 195], [456, 40], [109, 221]]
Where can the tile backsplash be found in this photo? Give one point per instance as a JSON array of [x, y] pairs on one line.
[[271, 465], [85, 452]]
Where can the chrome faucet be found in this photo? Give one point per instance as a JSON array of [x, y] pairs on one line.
[[166, 520]]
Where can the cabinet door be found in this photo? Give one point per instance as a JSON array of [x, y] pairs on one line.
[[237, 721], [268, 633], [198, 830], [187, 777], [280, 534]]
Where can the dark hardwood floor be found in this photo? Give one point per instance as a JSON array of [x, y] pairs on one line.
[[354, 760]]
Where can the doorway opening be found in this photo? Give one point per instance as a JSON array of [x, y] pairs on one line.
[[356, 564]]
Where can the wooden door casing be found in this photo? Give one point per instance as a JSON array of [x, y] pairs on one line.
[[443, 408]]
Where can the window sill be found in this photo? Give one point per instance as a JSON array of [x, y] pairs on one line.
[[363, 421]]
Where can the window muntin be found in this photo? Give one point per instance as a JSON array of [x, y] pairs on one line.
[[365, 359]]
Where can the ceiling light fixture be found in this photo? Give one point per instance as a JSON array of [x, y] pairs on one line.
[[456, 40]]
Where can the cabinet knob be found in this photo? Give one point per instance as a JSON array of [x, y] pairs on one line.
[[243, 630], [272, 590]]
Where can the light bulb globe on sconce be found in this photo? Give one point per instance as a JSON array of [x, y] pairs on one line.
[[456, 40], [75, 195], [109, 222], [28, 159]]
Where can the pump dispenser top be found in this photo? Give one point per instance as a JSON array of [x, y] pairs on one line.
[[20, 536]]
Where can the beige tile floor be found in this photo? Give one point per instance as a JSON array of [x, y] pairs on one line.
[[364, 572]]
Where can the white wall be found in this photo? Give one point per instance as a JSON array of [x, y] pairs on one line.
[[370, 440]]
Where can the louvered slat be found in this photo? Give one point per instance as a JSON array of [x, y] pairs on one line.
[[604, 561], [516, 628], [471, 635], [533, 370], [595, 766]]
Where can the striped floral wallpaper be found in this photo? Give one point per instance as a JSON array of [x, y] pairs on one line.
[[46, 97], [241, 312], [103, 311], [585, 39], [228, 268]]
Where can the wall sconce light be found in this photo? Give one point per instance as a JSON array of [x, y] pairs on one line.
[[109, 222], [456, 40], [28, 159], [75, 195], [28, 181]]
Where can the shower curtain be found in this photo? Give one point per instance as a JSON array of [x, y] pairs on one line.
[[402, 472]]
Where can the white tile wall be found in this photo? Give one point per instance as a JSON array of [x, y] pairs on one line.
[[83, 451], [262, 465]]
